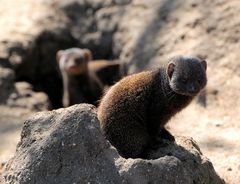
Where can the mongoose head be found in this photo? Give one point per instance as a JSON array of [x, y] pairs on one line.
[[73, 61], [187, 75]]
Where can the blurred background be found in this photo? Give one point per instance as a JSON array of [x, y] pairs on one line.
[[143, 34]]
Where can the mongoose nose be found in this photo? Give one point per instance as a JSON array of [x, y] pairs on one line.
[[192, 89], [78, 61]]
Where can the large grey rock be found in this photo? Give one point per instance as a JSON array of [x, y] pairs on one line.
[[66, 146], [17, 102], [23, 96], [20, 94], [181, 163], [63, 146]]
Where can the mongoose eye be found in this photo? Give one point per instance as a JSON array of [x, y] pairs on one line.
[[199, 81], [79, 61]]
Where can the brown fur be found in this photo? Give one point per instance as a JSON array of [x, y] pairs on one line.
[[83, 80], [134, 111]]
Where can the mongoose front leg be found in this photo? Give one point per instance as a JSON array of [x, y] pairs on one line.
[[165, 134]]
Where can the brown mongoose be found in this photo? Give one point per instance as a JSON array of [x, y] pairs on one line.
[[133, 112], [84, 78]]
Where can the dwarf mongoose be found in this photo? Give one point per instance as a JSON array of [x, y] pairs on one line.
[[133, 112], [83, 78]]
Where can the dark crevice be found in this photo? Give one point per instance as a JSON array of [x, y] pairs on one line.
[[39, 66]]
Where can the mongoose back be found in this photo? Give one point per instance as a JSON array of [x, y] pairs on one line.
[[82, 76], [133, 112]]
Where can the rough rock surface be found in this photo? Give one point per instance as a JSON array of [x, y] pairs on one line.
[[17, 102], [66, 146], [20, 94], [63, 146], [24, 97]]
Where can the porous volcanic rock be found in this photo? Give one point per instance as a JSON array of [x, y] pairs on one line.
[[66, 146], [20, 94]]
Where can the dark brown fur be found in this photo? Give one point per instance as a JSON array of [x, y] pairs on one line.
[[134, 111], [83, 79]]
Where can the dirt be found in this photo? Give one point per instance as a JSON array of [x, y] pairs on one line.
[[11, 122]]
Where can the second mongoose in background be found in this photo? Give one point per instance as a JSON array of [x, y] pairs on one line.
[[84, 79]]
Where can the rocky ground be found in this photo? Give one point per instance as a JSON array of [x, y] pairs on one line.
[[143, 34], [71, 138]]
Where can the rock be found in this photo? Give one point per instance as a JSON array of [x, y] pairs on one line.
[[11, 122], [181, 163], [20, 94], [66, 146], [24, 97], [17, 102], [63, 146]]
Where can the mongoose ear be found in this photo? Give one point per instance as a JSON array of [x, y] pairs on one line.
[[170, 69], [59, 55], [87, 54], [204, 64]]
